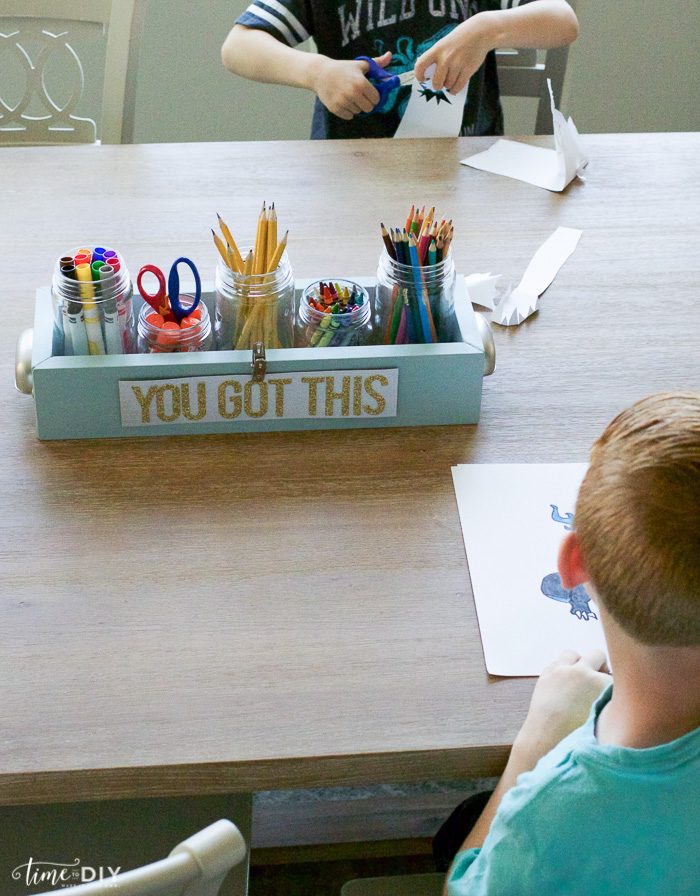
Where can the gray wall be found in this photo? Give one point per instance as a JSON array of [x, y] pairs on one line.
[[184, 93]]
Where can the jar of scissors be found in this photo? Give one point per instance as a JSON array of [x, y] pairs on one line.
[[170, 321]]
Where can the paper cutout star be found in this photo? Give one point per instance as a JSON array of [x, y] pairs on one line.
[[429, 93]]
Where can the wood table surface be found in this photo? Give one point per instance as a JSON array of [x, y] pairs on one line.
[[234, 613]]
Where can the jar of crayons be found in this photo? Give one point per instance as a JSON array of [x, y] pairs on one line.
[[158, 334], [92, 296], [254, 288], [333, 313], [415, 282]]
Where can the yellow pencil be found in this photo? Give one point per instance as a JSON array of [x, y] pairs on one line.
[[279, 251], [260, 256], [271, 237], [228, 236], [222, 251]]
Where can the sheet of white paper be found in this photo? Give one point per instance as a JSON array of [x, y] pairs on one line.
[[481, 289], [513, 518], [552, 169], [543, 268], [432, 113]]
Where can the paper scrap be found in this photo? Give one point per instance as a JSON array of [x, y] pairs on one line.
[[522, 301], [430, 112], [552, 169], [513, 519], [481, 289]]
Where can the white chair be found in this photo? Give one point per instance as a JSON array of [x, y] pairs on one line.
[[196, 867], [53, 26], [525, 72]]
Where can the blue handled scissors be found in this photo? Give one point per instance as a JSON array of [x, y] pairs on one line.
[[170, 303], [386, 83]]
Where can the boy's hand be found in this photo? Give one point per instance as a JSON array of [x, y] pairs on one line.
[[342, 87], [560, 703], [457, 56]]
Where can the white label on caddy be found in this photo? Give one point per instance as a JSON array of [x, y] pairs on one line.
[[314, 394]]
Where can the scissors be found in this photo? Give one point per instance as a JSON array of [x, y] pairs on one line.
[[386, 83], [170, 303]]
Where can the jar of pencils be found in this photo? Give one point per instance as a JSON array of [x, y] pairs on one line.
[[191, 334], [415, 302], [92, 298], [333, 313], [253, 308]]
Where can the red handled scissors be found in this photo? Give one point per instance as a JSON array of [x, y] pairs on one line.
[[170, 303]]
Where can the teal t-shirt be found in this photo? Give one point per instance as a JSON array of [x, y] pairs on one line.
[[594, 819]]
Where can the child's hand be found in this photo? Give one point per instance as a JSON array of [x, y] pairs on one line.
[[457, 56], [560, 703], [342, 87]]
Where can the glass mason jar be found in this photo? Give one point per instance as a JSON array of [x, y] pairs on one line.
[[254, 308], [332, 314], [414, 304], [93, 306], [192, 334]]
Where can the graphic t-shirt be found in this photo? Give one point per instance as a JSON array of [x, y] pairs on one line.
[[371, 27]]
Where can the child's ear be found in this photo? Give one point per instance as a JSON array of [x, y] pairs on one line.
[[570, 562]]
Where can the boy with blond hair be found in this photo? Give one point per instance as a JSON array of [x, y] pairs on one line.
[[612, 806]]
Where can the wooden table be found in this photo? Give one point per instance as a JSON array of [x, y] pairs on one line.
[[234, 613]]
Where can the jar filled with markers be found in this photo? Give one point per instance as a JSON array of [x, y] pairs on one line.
[[92, 298]]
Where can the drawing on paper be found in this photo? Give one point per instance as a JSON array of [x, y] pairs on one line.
[[577, 598], [427, 91], [567, 519]]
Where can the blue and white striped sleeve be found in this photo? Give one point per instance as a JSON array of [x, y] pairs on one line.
[[286, 21]]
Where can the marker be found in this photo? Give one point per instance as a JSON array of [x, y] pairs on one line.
[[110, 312], [91, 315], [74, 328]]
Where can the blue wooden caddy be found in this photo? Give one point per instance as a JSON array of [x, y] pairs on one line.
[[112, 396]]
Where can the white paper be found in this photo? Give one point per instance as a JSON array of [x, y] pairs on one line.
[[521, 302], [513, 518], [432, 113], [481, 289], [552, 169]]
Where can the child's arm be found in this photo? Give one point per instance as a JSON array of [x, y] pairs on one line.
[[560, 703], [541, 24], [340, 84]]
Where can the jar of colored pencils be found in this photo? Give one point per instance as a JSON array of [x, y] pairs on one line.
[[415, 302], [191, 334], [253, 308], [333, 313], [92, 298]]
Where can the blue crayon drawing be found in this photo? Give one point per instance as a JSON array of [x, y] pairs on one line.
[[577, 598], [567, 519]]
